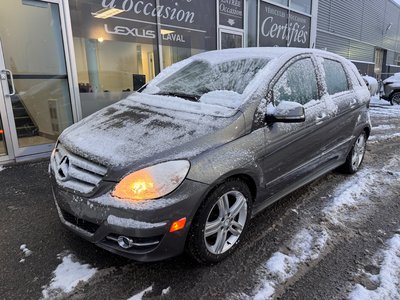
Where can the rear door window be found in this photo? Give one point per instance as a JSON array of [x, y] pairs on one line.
[[335, 77]]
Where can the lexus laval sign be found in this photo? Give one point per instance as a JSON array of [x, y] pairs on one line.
[[280, 27], [181, 23]]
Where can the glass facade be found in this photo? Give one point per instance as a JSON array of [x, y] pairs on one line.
[[33, 50], [116, 47], [231, 40], [121, 45], [280, 26]]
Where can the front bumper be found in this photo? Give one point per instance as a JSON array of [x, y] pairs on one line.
[[101, 220]]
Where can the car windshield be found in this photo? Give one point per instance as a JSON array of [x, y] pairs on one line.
[[200, 77]]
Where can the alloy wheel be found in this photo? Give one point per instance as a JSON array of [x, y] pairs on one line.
[[358, 151], [225, 222], [396, 98]]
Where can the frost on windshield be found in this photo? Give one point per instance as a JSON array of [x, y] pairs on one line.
[[201, 77]]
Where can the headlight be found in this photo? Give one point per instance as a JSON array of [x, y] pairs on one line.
[[152, 182]]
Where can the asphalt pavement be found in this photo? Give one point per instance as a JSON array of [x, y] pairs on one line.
[[28, 217]]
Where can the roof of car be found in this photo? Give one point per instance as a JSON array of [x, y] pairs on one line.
[[219, 56]]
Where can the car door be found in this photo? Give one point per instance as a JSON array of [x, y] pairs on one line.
[[342, 105], [293, 149]]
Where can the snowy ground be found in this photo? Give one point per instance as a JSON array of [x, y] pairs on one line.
[[337, 238]]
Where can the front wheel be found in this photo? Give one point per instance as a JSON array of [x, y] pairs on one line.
[[395, 98], [220, 222], [356, 155]]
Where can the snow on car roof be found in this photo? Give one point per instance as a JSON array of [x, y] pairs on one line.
[[219, 56]]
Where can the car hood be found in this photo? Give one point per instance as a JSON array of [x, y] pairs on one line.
[[129, 135], [393, 79]]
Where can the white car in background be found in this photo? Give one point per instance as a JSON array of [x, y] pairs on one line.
[[372, 84]]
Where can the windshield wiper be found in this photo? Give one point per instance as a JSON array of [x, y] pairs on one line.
[[189, 97]]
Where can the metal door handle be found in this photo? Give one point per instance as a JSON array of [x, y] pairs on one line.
[[5, 72]]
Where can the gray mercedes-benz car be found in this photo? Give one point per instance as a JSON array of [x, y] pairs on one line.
[[210, 142]]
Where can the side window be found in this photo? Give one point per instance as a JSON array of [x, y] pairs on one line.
[[297, 84], [335, 76]]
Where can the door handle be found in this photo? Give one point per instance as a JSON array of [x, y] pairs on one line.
[[353, 102], [4, 74]]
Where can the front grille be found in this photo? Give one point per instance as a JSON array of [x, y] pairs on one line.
[[82, 224], [75, 172]]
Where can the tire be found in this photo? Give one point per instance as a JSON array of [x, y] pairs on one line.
[[395, 98], [220, 222], [356, 155]]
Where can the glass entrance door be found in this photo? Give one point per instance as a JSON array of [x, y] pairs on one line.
[[230, 39], [36, 90]]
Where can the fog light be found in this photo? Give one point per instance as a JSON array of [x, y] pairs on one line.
[[178, 225], [125, 242]]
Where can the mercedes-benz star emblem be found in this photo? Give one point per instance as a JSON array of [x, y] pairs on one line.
[[63, 168]]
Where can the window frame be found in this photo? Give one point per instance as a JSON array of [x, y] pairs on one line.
[[284, 68], [346, 72], [266, 97]]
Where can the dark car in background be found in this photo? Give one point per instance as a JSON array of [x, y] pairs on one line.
[[210, 142], [391, 89]]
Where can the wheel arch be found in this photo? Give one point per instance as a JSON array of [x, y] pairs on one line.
[[245, 177]]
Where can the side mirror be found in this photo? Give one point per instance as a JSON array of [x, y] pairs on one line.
[[285, 112]]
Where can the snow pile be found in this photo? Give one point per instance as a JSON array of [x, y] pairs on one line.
[[25, 250], [67, 276], [349, 196], [304, 247], [181, 105], [140, 295], [166, 291], [387, 281], [228, 99], [383, 127], [372, 84], [308, 244]]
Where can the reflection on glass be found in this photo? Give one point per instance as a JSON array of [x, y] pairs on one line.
[[31, 37], [301, 5], [41, 110], [282, 2], [3, 149], [109, 71], [173, 54], [41, 105], [230, 40]]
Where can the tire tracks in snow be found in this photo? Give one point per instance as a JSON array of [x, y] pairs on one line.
[[350, 204]]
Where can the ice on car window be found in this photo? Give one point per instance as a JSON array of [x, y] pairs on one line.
[[201, 77], [335, 76], [297, 84]]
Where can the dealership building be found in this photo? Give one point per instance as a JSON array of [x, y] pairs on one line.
[[61, 60]]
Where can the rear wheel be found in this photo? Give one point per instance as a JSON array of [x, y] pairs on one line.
[[356, 155], [395, 98], [220, 222]]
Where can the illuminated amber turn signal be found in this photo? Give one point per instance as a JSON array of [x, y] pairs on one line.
[[137, 186], [178, 225]]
